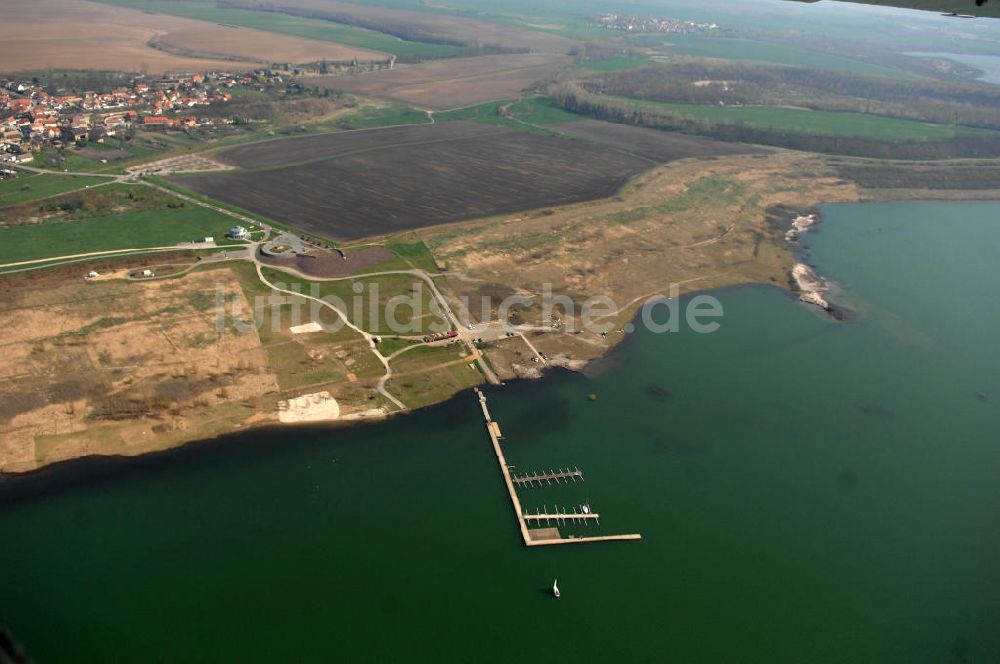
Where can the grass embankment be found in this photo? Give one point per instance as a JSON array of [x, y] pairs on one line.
[[322, 30], [385, 304], [32, 187], [427, 375], [166, 184], [386, 116], [518, 114], [128, 230], [415, 254], [821, 123]]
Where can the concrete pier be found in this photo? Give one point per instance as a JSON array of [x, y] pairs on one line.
[[538, 536]]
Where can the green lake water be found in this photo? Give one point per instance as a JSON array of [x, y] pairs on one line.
[[807, 491]]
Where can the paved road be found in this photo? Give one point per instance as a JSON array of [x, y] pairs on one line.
[[49, 171]]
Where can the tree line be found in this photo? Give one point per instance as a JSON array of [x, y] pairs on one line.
[[941, 102], [573, 97]]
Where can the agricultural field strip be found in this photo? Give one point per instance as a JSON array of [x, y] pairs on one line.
[[470, 77], [452, 83], [75, 34], [436, 182], [829, 123], [278, 152], [374, 148], [426, 25]]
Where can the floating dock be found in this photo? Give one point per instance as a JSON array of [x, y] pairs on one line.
[[549, 477], [548, 535]]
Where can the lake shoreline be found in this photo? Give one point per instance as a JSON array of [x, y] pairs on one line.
[[785, 216]]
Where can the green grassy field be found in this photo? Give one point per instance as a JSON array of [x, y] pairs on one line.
[[538, 110], [32, 187], [211, 201], [823, 123], [148, 228], [68, 160], [206, 10], [375, 296], [427, 375], [142, 148], [396, 114], [388, 346], [414, 253]]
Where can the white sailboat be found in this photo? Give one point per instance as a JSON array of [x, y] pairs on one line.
[[555, 588]]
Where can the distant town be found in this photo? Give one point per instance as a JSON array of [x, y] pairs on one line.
[[652, 24], [32, 118]]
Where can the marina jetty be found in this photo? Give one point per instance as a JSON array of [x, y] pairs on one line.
[[549, 533]]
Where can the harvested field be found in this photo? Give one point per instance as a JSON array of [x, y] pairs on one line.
[[658, 146], [382, 181], [416, 25], [334, 265], [249, 45], [453, 83], [76, 34]]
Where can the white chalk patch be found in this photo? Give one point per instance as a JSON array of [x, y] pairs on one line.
[[315, 407], [306, 328]]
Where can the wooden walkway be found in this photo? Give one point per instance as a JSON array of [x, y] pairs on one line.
[[545, 537], [549, 477]]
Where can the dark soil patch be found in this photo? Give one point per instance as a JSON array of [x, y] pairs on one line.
[[333, 265], [374, 182], [778, 218]]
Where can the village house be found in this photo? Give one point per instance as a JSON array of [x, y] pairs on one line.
[[160, 122], [32, 116]]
